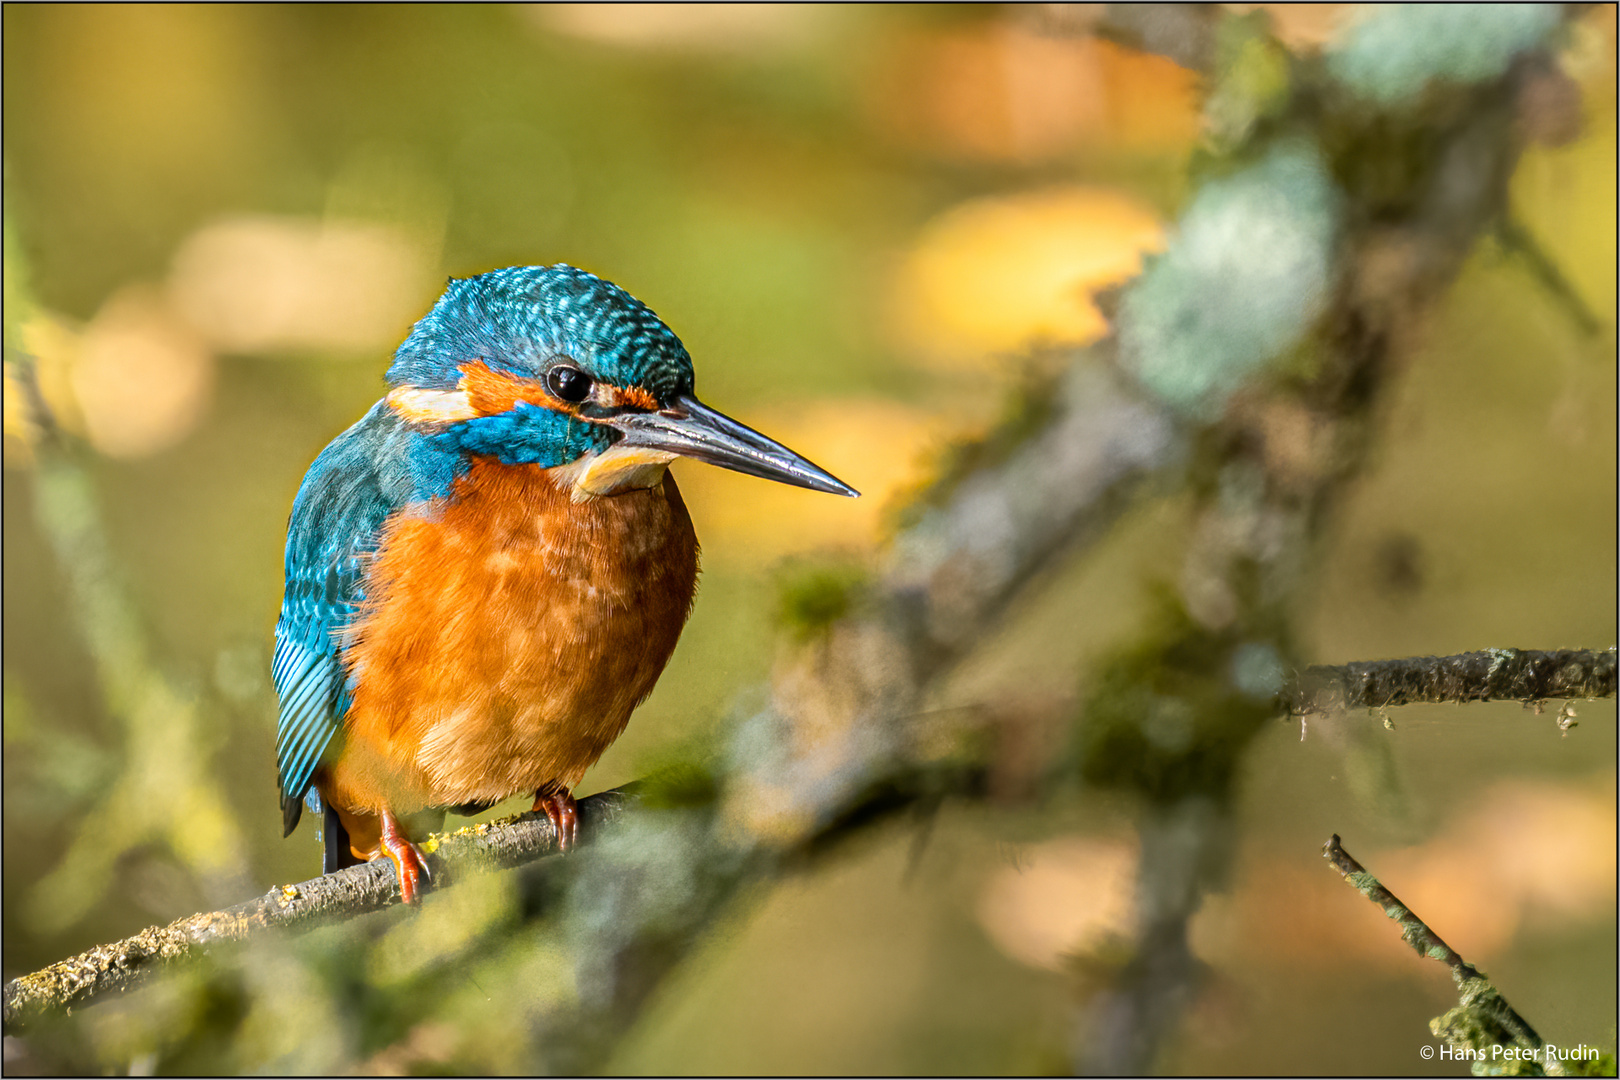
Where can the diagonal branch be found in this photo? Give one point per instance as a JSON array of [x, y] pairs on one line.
[[125, 965], [1059, 487], [1484, 1018]]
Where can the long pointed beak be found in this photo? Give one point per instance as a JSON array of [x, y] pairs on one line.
[[692, 429]]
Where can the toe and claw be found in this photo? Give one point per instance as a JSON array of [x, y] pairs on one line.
[[407, 859], [560, 807]]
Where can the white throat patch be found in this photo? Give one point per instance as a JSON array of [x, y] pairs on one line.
[[616, 469]]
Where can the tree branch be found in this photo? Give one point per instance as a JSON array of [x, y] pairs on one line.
[[1063, 482], [1491, 675], [1484, 1018], [125, 965], [1403, 190], [1518, 240], [840, 747]]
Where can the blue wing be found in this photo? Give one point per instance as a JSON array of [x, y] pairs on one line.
[[368, 473]]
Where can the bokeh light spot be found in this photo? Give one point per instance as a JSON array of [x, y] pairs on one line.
[[1002, 274]]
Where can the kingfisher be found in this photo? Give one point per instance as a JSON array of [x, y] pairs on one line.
[[487, 573]]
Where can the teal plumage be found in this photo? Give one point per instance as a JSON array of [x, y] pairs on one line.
[[531, 408]]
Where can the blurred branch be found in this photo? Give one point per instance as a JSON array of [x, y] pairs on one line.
[[1484, 1019], [163, 795], [1384, 186], [844, 741], [1184, 33], [1491, 675], [1062, 484], [1517, 240]]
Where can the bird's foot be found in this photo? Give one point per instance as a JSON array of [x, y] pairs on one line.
[[560, 807], [407, 859]]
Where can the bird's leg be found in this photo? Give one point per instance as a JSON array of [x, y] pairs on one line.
[[560, 807], [407, 858]]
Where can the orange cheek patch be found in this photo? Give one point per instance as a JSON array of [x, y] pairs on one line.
[[633, 396], [491, 392], [483, 391]]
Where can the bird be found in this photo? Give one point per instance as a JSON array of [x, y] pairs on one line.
[[487, 573]]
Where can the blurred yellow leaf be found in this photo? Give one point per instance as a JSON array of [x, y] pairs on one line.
[[1066, 896], [1003, 91], [143, 378], [54, 347], [133, 382], [251, 284], [1002, 274], [20, 430], [710, 28]]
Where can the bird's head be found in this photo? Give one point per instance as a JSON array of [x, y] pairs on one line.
[[553, 366]]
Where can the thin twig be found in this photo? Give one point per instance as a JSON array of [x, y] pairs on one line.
[[1517, 240], [1491, 675], [1504, 1025], [1414, 931]]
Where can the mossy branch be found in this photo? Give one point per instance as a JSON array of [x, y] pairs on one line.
[[1062, 487], [1490, 675], [124, 965], [1484, 1018]]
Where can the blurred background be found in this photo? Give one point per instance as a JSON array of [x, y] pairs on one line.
[[867, 225]]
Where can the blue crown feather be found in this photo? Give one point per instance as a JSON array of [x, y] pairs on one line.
[[522, 319]]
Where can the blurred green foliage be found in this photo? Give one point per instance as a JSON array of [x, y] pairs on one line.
[[813, 596], [1158, 723]]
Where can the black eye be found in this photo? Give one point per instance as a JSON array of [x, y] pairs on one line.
[[568, 383]]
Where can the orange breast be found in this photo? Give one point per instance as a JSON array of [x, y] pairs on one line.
[[508, 633]]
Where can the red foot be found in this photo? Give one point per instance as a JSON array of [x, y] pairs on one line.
[[407, 859], [563, 811]]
